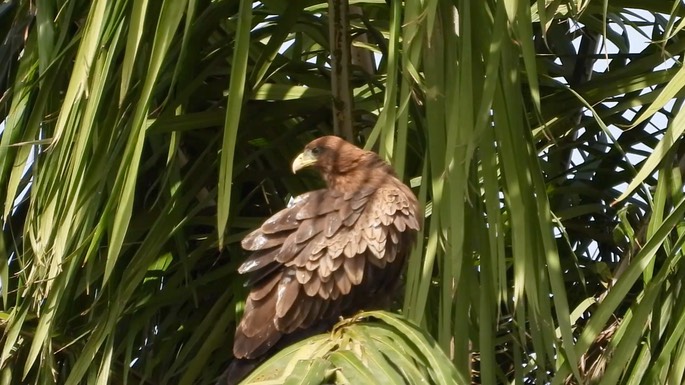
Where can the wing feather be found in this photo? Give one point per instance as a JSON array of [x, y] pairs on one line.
[[390, 252], [300, 311], [378, 262], [282, 221], [257, 260], [312, 287], [257, 331], [400, 223], [352, 218], [325, 266], [259, 240], [319, 203], [358, 201], [304, 275], [288, 291], [342, 282], [326, 289], [354, 269], [309, 228], [258, 292], [288, 249], [350, 249], [333, 223], [338, 262], [314, 312]]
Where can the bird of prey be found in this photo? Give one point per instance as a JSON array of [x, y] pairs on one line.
[[333, 252]]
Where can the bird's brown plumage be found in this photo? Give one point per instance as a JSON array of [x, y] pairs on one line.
[[332, 252]]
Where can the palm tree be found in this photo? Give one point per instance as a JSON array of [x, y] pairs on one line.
[[141, 140]]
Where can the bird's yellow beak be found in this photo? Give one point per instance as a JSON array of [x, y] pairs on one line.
[[303, 160]]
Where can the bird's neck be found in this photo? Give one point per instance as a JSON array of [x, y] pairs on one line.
[[364, 175]]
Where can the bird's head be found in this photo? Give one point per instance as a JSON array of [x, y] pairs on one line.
[[344, 166], [329, 155]]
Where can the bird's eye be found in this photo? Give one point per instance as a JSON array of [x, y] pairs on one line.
[[316, 150]]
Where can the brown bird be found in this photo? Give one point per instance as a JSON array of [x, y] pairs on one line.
[[331, 253]]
